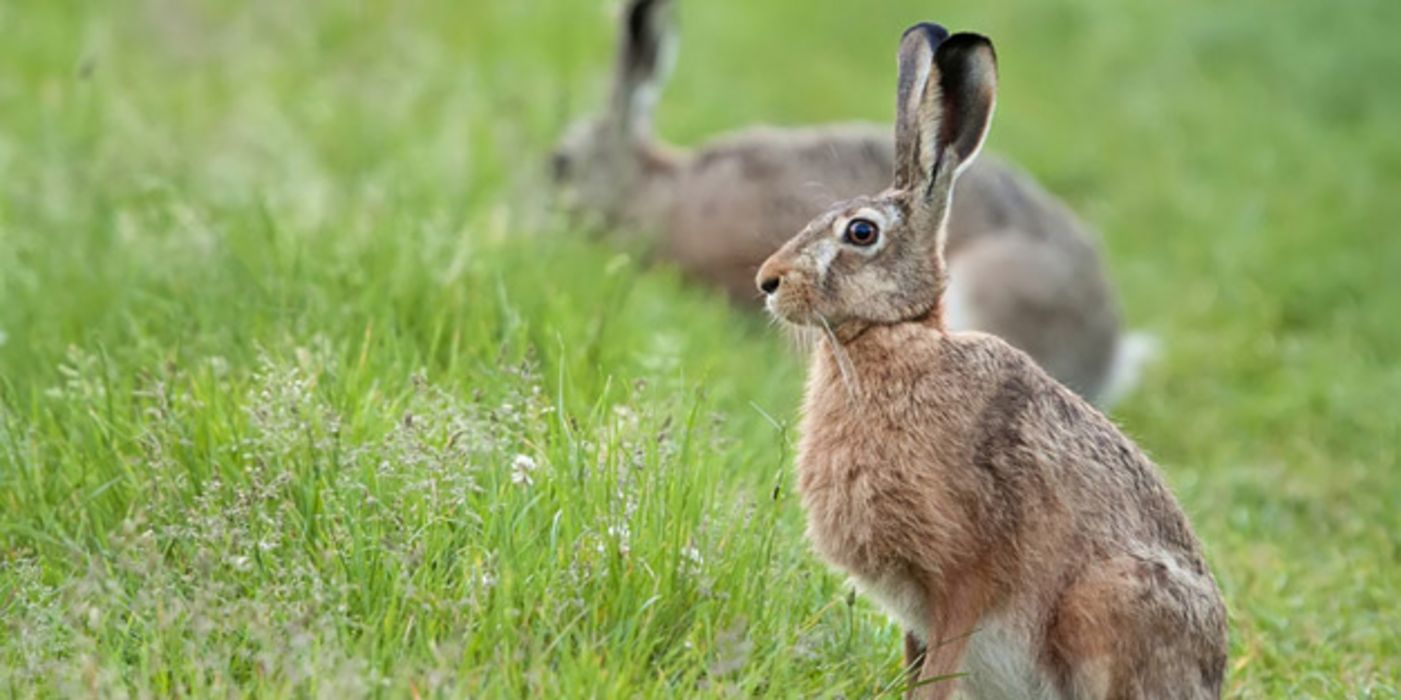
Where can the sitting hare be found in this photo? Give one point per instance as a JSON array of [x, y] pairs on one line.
[[1018, 536], [1021, 266]]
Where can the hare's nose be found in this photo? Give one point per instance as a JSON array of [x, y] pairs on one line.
[[770, 275]]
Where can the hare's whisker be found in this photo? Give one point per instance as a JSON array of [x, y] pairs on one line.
[[844, 366]]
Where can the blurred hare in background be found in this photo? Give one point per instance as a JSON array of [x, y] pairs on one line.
[[1021, 265]]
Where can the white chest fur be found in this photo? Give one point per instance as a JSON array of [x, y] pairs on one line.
[[901, 599]]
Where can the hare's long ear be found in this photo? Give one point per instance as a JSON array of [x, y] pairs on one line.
[[948, 85], [646, 50]]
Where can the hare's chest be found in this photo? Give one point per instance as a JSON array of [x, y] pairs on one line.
[[860, 520], [859, 506]]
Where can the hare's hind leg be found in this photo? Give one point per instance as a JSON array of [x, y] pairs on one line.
[[914, 655], [954, 613], [1138, 627]]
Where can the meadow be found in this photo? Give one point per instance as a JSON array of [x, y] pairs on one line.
[[305, 392]]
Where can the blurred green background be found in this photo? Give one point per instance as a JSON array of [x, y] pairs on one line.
[[305, 392]]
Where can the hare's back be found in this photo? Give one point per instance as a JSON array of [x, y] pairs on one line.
[[996, 196], [745, 194], [1027, 422], [781, 178], [1023, 267], [1028, 292]]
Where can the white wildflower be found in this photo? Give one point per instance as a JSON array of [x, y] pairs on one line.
[[622, 534], [521, 468]]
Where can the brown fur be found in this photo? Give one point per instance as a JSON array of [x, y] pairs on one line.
[[1029, 271], [1016, 533]]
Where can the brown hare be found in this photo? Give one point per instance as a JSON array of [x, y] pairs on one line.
[[1021, 265], [1027, 546]]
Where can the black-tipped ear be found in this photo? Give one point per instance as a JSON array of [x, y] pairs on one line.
[[645, 53], [947, 90], [967, 66]]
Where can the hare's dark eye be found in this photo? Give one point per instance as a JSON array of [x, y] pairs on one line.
[[862, 232]]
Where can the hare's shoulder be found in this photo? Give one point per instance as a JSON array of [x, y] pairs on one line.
[[1021, 412], [985, 363]]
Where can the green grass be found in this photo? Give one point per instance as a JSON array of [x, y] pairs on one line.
[[286, 325]]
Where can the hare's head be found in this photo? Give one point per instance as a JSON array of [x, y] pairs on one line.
[[599, 161], [878, 259]]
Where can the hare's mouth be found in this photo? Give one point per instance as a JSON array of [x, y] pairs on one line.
[[791, 306]]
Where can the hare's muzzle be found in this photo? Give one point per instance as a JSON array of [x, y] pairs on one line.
[[786, 295]]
